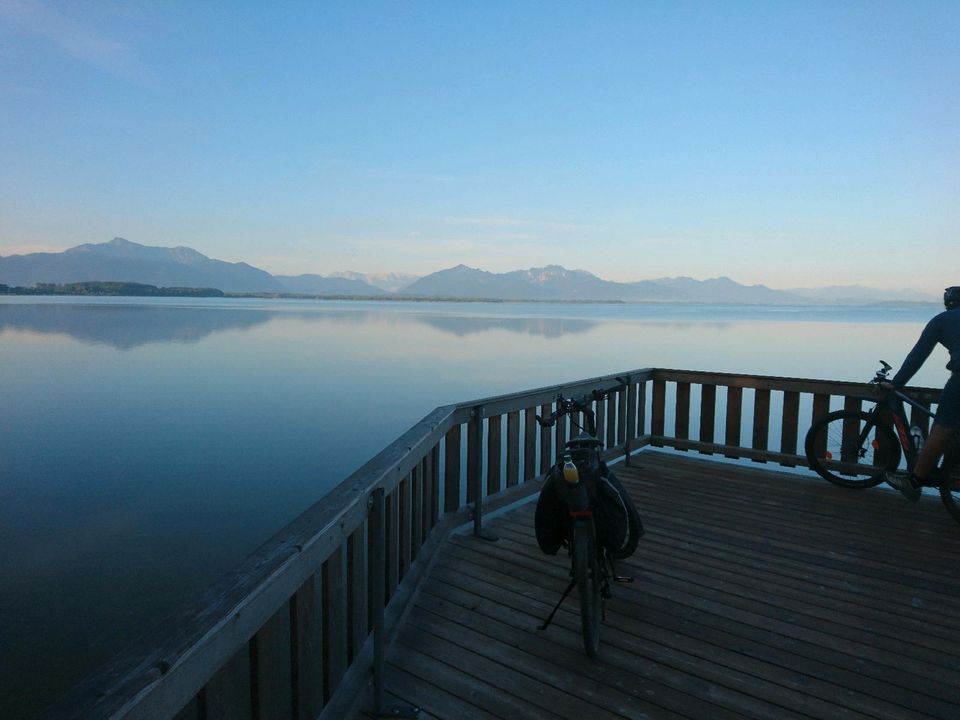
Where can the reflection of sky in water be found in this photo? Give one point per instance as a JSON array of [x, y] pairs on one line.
[[147, 446]]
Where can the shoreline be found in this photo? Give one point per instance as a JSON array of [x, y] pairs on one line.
[[111, 288]]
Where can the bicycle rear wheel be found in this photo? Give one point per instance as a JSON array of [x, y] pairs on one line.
[[849, 449], [586, 570]]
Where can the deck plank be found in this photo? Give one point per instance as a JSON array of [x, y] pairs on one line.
[[757, 594]]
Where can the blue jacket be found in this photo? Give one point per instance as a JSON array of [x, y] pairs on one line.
[[943, 329]]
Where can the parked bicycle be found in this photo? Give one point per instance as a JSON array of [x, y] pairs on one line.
[[853, 448], [584, 507]]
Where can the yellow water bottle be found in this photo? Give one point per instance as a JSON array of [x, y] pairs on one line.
[[570, 473]]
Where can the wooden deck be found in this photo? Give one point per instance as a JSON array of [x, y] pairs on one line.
[[757, 594]]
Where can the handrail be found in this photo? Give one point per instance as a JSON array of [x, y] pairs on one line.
[[290, 628]]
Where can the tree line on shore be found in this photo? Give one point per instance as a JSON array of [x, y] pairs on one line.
[[125, 289]]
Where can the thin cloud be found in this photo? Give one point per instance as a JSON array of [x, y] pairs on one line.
[[510, 222], [402, 175], [74, 38]]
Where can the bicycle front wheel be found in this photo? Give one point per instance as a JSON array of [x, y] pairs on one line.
[[950, 484], [849, 449], [586, 570]]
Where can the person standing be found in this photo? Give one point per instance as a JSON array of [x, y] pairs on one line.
[[944, 329]]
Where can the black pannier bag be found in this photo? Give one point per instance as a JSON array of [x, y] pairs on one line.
[[618, 523], [619, 527], [550, 519]]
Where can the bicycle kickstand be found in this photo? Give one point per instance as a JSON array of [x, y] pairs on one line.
[[546, 623]]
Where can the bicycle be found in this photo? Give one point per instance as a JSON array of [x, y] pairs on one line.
[[589, 558], [853, 448]]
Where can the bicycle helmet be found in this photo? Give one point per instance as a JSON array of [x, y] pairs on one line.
[[951, 297]]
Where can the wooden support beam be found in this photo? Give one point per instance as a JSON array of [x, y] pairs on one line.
[[791, 418], [451, 472], [734, 413], [513, 449], [494, 458], [529, 443], [761, 420], [708, 412]]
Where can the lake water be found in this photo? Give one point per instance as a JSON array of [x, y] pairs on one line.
[[147, 446]]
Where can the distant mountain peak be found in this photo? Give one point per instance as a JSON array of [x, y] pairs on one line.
[[121, 260]]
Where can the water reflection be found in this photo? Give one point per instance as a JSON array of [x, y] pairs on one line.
[[536, 327], [125, 323], [126, 326], [129, 326]]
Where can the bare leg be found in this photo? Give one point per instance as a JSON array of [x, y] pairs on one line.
[[932, 450]]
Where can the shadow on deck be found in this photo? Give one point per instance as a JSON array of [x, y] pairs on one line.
[[757, 594]]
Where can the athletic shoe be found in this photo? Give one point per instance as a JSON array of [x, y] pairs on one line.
[[903, 481]]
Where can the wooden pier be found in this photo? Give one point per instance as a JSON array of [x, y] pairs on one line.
[[758, 593]]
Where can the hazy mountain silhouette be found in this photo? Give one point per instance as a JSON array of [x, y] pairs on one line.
[[554, 282], [725, 290], [462, 281], [859, 293], [385, 281], [124, 261], [310, 284]]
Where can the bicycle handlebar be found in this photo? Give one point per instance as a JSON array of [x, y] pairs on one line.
[[565, 406], [882, 373]]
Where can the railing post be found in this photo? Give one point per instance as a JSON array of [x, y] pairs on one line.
[[631, 417], [475, 472], [376, 507]]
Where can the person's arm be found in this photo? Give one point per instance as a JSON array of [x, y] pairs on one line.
[[921, 351]]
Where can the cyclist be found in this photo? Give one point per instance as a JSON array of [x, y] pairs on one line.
[[944, 329]]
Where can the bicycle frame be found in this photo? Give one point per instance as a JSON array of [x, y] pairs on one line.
[[857, 430], [894, 402]]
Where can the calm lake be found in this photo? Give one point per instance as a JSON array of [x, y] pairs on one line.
[[147, 446]]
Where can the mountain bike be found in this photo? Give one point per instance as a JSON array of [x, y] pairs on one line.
[[853, 448], [589, 558]]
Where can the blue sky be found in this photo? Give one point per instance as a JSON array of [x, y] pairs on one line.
[[792, 144]]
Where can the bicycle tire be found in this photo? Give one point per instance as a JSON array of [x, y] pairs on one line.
[[587, 573], [851, 437], [950, 483]]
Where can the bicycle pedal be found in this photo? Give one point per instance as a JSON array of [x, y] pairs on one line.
[[622, 578]]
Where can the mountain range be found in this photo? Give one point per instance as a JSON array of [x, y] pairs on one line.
[[124, 261]]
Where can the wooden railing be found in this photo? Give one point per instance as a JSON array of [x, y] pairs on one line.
[[298, 630], [754, 417]]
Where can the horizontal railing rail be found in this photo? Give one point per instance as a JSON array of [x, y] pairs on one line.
[[295, 631]]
